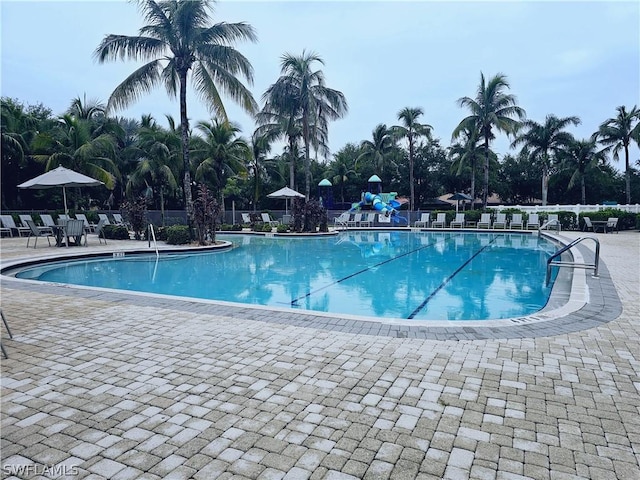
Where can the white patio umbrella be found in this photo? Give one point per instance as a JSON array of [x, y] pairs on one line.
[[61, 177], [286, 193]]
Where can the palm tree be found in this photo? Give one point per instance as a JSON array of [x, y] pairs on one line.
[[219, 153], [411, 129], [159, 163], [491, 108], [467, 153], [300, 92], [179, 39], [617, 133], [582, 156], [545, 142], [87, 110], [341, 169], [259, 164], [378, 149]]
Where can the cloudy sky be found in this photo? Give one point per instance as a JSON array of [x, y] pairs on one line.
[[565, 58]]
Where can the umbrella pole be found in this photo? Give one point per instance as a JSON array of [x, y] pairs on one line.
[[64, 195]]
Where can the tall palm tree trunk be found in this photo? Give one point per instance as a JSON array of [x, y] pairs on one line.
[[184, 127], [627, 174], [545, 183], [473, 182], [307, 160], [411, 185], [485, 172], [292, 165], [583, 190]]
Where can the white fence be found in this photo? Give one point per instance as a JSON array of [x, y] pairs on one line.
[[577, 209]]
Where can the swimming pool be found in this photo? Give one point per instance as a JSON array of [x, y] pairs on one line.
[[384, 274]]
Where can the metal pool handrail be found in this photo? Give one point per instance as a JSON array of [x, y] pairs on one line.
[[593, 266], [153, 234]]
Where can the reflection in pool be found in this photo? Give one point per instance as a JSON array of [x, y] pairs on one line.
[[401, 274]]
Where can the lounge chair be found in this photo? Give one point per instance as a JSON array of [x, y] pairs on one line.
[[553, 222], [87, 226], [342, 220], [355, 221], [533, 221], [500, 221], [266, 218], [103, 216], [485, 221], [612, 224], [99, 231], [587, 225], [37, 232], [246, 219], [457, 222], [46, 228], [440, 221], [117, 218], [8, 222], [516, 221], [368, 220], [64, 217], [47, 220], [425, 218]]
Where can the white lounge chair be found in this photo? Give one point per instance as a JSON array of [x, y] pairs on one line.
[[368, 220], [440, 221], [103, 216], [587, 224], [87, 226], [533, 221], [99, 231], [485, 221], [500, 221], [425, 218], [612, 224], [355, 221], [8, 222], [342, 220], [266, 218], [457, 222], [516, 221]]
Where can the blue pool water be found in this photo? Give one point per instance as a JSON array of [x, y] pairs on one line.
[[407, 275]]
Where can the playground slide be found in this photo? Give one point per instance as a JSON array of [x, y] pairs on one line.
[[388, 209]]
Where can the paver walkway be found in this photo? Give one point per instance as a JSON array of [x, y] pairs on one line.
[[100, 389]]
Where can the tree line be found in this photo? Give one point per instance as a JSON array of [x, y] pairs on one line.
[[139, 157]]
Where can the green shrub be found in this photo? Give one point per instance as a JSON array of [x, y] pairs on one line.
[[638, 221], [283, 228], [266, 227], [116, 232], [178, 235]]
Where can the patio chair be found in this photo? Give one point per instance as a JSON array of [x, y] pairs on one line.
[[62, 216], [553, 222], [35, 231], [516, 221], [533, 221], [103, 216], [485, 221], [117, 218], [440, 221], [8, 222], [500, 221], [425, 218], [342, 220], [44, 228], [612, 224], [89, 227], [266, 218], [246, 219], [587, 225], [99, 231], [457, 222], [75, 229]]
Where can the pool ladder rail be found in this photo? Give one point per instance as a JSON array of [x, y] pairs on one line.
[[152, 234], [591, 266]]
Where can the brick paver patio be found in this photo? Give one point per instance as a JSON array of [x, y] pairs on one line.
[[99, 387]]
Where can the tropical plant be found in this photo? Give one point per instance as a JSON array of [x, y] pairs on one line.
[[206, 215], [158, 162], [219, 154], [300, 92], [545, 143], [466, 154], [378, 150], [490, 108], [179, 39], [617, 134], [580, 157], [343, 167], [412, 130], [92, 109]]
